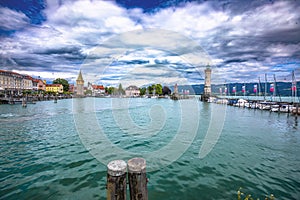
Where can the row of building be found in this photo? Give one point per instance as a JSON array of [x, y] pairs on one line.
[[99, 90], [16, 83]]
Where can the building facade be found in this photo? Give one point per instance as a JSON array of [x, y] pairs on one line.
[[132, 91], [55, 88], [15, 83], [98, 90]]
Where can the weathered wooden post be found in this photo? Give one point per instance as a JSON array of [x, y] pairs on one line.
[[137, 179], [116, 180], [24, 103]]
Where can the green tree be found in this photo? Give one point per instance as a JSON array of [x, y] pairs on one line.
[[88, 92], [158, 89], [150, 89], [142, 91], [62, 81], [110, 90], [120, 89]]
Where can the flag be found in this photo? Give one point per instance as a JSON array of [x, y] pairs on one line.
[[233, 90], [243, 88], [255, 88], [272, 87]]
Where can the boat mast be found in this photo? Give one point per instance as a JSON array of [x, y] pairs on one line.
[[265, 87], [294, 87], [276, 89], [259, 86], [228, 90], [244, 90]]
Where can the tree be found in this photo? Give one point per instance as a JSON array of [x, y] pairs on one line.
[[150, 89], [158, 89], [142, 91], [88, 92], [166, 90], [120, 89], [62, 81], [110, 90]]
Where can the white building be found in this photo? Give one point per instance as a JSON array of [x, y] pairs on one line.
[[14, 82], [132, 91]]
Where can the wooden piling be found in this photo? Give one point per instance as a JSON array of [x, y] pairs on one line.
[[24, 103], [137, 179], [116, 180]]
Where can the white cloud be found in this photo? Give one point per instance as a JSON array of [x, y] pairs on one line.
[[193, 20], [280, 15], [11, 20], [75, 28]]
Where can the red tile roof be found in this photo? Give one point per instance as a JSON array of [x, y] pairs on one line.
[[98, 87]]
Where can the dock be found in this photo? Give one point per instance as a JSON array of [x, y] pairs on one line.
[[272, 106]]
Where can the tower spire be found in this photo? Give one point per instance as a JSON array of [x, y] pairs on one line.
[[80, 85]]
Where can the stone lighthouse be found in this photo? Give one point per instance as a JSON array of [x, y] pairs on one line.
[[80, 85], [207, 84]]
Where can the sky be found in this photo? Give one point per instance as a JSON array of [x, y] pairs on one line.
[[136, 42]]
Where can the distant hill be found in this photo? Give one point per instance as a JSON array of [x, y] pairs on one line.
[[282, 88]]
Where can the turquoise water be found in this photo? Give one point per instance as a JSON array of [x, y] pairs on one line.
[[44, 155]]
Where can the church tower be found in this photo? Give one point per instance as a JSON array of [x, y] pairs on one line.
[[79, 85]]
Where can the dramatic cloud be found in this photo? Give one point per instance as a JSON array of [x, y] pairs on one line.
[[167, 43], [11, 20]]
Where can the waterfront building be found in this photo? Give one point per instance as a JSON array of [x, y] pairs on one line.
[[14, 83], [56, 88], [41, 85], [132, 91], [71, 88], [27, 82], [80, 85], [35, 84], [97, 90], [38, 85]]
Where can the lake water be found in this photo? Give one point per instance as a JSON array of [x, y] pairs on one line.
[[194, 150]]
